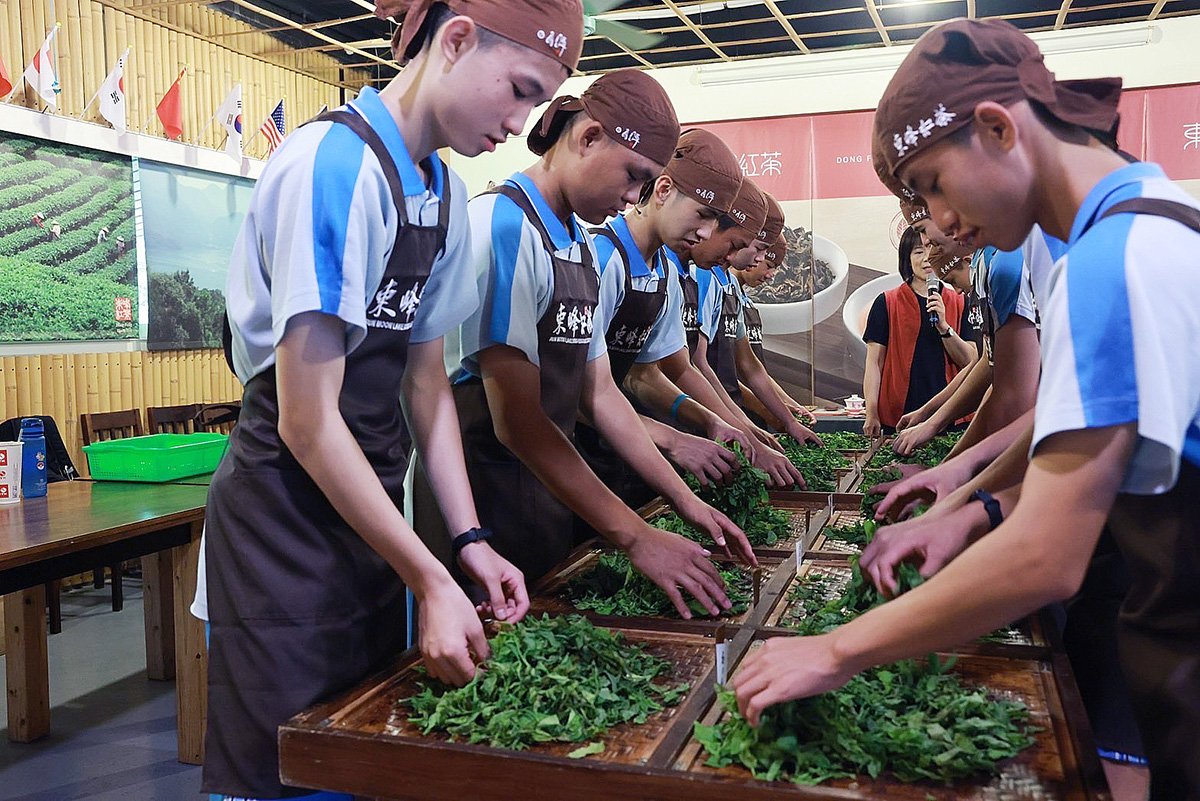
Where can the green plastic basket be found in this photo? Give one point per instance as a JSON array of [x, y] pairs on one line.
[[157, 457]]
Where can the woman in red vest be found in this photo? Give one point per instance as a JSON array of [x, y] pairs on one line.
[[910, 359]]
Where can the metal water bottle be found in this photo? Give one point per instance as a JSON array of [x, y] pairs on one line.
[[934, 285], [33, 458]]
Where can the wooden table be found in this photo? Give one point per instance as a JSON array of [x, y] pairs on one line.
[[78, 525]]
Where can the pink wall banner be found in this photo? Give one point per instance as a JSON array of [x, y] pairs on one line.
[[777, 153], [1173, 130]]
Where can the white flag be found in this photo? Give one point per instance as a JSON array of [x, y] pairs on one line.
[[112, 95], [230, 115], [40, 74]]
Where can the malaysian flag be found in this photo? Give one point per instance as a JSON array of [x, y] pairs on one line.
[[273, 129]]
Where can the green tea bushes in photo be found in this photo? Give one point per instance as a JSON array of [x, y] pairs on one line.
[[192, 219], [613, 586], [915, 721], [549, 680], [68, 247]]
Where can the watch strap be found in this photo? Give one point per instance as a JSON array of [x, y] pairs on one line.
[[991, 506], [468, 537]]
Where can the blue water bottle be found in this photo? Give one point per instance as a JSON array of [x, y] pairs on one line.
[[33, 458]]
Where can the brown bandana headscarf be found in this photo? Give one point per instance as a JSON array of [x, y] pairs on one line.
[[914, 209], [776, 252], [749, 209], [958, 65], [705, 169], [553, 27], [773, 227], [632, 107]]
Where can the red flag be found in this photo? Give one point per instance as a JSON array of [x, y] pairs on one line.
[[170, 110], [5, 81]]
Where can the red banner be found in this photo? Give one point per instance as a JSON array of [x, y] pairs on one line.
[[829, 155]]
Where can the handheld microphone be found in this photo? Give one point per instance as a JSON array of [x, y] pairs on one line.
[[933, 284]]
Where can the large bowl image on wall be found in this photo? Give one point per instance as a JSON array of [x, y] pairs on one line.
[[784, 304], [858, 306]]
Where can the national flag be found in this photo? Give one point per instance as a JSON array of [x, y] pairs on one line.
[[40, 73], [112, 95], [6, 86], [273, 129], [229, 114], [170, 110]]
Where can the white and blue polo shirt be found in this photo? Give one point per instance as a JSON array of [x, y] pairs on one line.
[[666, 336], [515, 274], [1004, 279], [713, 285], [1120, 323], [320, 230]]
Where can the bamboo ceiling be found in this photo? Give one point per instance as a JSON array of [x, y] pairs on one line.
[[694, 31]]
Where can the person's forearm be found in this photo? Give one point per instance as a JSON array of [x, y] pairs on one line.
[[937, 401], [760, 385], [960, 351], [1029, 561], [616, 420], [752, 404], [979, 428], [1006, 470], [700, 360], [546, 451], [433, 420], [653, 388], [310, 369], [872, 379], [967, 397], [679, 369]]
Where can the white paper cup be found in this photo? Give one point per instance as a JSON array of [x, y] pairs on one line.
[[10, 472]]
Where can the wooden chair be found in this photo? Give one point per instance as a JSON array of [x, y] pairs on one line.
[[218, 417], [173, 419], [101, 427]]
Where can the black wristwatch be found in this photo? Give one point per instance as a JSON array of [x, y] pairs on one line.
[[466, 538], [991, 506], [949, 333]]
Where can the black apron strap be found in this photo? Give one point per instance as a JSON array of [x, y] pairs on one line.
[[366, 133], [516, 195]]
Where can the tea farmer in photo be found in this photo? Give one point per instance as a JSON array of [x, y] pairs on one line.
[[351, 265], [998, 145], [534, 361]]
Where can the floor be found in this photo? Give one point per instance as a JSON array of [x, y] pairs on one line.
[[112, 731]]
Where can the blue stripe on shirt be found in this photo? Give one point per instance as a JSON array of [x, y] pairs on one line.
[[1191, 444], [1101, 326], [508, 225], [336, 167], [604, 251], [1004, 282]]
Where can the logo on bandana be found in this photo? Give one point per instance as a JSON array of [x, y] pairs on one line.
[[555, 41], [634, 138], [740, 216], [573, 326], [910, 137], [706, 195], [392, 309]]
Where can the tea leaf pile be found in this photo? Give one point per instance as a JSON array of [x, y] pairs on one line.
[[819, 466], [915, 721], [846, 441], [744, 500], [615, 587], [815, 606], [549, 680]]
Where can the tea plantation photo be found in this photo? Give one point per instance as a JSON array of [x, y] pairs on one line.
[[68, 266]]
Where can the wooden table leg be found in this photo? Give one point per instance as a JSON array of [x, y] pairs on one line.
[[27, 665], [191, 654], [158, 594]]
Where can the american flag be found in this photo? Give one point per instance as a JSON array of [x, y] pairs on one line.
[[273, 129]]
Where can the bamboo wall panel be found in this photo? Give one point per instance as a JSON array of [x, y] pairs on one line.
[[218, 52], [65, 386]]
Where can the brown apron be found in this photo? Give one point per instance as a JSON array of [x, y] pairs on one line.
[[754, 331], [691, 306], [532, 528], [1159, 628], [627, 334], [722, 353], [301, 607]]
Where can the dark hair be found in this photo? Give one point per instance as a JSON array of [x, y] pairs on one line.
[[908, 243], [725, 222], [439, 14], [560, 123]]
